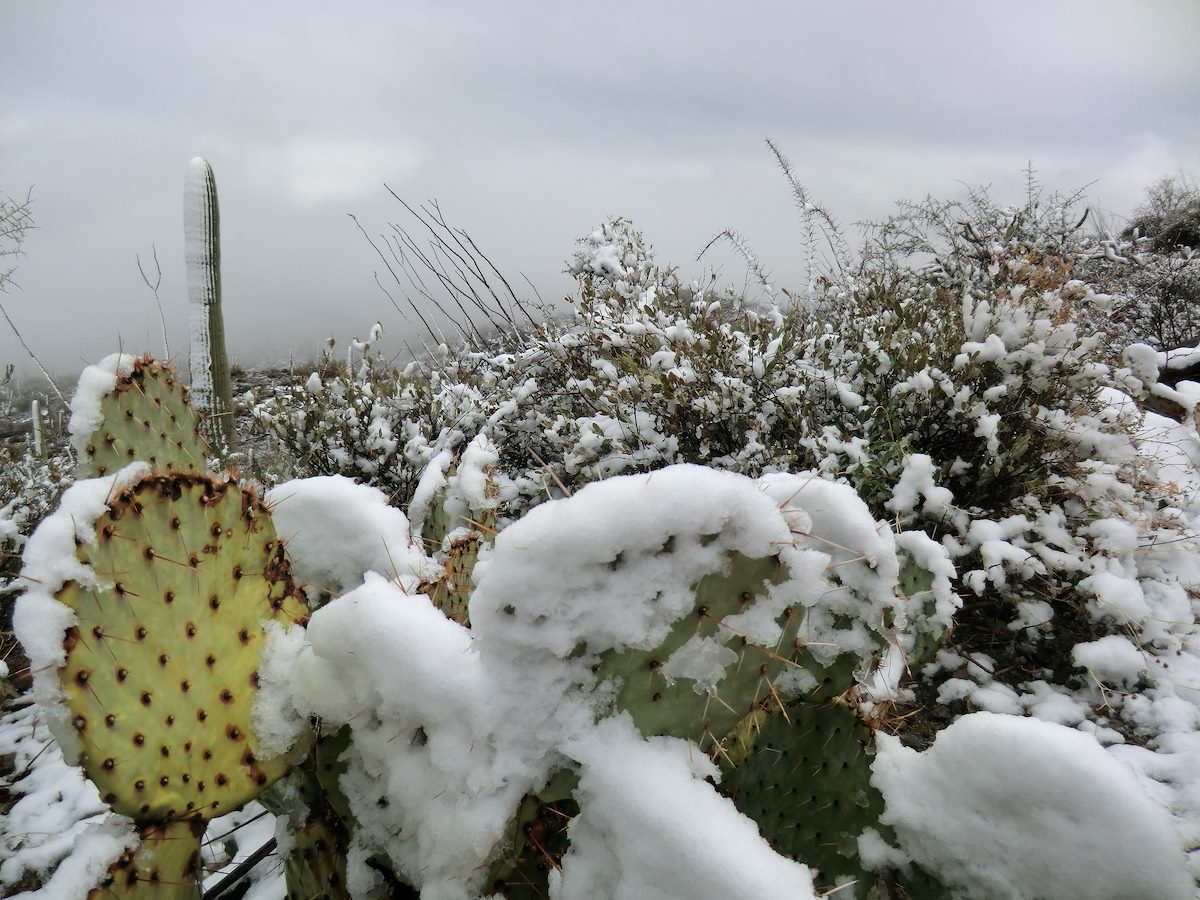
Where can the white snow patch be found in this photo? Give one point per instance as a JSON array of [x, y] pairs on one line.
[[1007, 807], [650, 828], [1112, 659], [337, 530], [95, 383]]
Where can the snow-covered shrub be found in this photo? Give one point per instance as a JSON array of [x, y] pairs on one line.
[[1170, 216], [1153, 271], [30, 485], [647, 372], [1157, 297], [357, 423]]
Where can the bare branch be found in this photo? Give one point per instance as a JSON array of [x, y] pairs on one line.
[[154, 290]]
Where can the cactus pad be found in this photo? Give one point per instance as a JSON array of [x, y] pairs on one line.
[[539, 842], [146, 417], [161, 670], [663, 706], [315, 869], [164, 866], [916, 583], [807, 783], [452, 592]]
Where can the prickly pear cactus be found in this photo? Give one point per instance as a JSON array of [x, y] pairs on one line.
[[452, 592], [916, 583], [146, 416], [318, 819], [315, 869], [164, 866], [807, 783], [161, 664], [455, 517], [161, 670], [539, 841], [662, 703]]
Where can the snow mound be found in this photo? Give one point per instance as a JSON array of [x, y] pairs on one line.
[[709, 852], [94, 384], [1009, 808], [337, 530]]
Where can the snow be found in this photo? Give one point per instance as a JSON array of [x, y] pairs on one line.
[[410, 684], [433, 480], [95, 383], [1117, 595], [471, 491], [1005, 807], [1143, 361], [93, 848], [917, 483], [1113, 659], [336, 530], [278, 728], [829, 519], [651, 828]]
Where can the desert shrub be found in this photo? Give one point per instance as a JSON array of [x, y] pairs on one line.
[[1155, 278], [32, 485], [1170, 216]]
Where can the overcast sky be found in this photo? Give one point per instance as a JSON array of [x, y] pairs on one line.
[[530, 122]]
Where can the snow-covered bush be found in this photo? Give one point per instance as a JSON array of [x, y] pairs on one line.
[[30, 486]]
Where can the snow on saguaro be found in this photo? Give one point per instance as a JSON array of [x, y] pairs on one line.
[[199, 221], [212, 390]]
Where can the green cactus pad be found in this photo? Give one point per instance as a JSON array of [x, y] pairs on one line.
[[164, 866], [328, 768], [916, 583], [539, 842], [807, 783], [452, 592], [660, 706], [146, 417], [161, 671], [315, 869]]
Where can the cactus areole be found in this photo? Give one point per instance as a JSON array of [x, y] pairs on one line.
[[212, 391]]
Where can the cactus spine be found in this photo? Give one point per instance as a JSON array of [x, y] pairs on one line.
[[212, 390]]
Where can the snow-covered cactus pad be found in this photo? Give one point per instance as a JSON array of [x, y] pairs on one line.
[[212, 389], [127, 410], [166, 611], [704, 676], [454, 513], [677, 596], [648, 612]]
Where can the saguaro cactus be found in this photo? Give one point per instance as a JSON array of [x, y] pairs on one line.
[[212, 390], [35, 424]]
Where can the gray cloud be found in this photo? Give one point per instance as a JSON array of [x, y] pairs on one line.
[[530, 122]]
